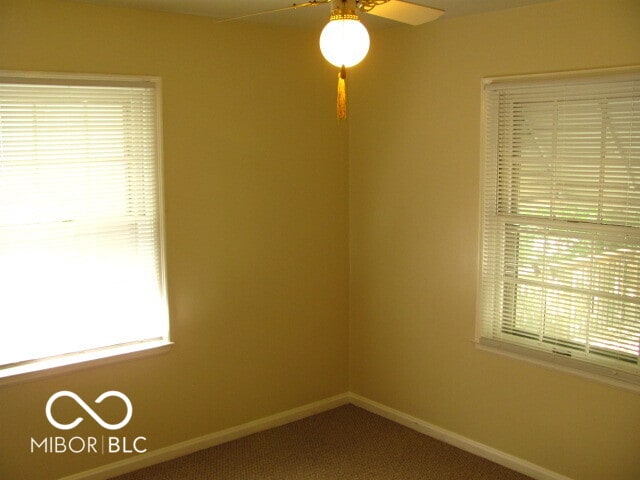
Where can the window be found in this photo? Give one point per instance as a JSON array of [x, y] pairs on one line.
[[560, 262], [81, 242]]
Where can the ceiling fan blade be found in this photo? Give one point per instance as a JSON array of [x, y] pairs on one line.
[[311, 3], [406, 12]]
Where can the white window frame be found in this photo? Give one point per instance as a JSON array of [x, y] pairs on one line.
[[31, 369], [522, 349]]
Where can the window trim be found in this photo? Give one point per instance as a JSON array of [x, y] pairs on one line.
[[49, 366], [552, 360], [82, 360]]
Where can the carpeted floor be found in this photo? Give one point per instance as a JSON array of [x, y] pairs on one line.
[[346, 443]]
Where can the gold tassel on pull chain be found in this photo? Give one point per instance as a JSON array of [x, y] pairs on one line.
[[342, 93]]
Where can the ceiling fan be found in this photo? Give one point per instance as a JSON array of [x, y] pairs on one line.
[[344, 41]]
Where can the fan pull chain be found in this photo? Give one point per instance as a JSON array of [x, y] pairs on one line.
[[342, 93]]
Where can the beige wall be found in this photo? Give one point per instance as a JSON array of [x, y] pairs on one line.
[[256, 220], [414, 160]]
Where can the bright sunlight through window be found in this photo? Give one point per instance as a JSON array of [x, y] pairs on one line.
[[561, 221], [81, 244]]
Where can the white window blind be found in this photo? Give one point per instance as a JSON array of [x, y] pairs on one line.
[[560, 261], [81, 264]]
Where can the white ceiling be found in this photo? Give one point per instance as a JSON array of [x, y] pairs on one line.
[[314, 16]]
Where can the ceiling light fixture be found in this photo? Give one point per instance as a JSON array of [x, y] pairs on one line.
[[344, 42]]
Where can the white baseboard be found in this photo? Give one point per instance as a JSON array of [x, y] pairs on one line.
[[463, 443], [206, 441]]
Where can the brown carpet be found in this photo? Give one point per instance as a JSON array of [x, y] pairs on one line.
[[346, 443]]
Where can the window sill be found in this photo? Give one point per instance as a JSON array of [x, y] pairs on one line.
[[593, 372], [79, 361]]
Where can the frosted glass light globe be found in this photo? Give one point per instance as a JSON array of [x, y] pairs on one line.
[[344, 42]]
